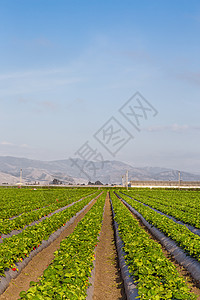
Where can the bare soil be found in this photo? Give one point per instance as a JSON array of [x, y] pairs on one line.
[[108, 282], [39, 263]]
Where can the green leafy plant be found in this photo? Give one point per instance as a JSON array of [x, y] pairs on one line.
[[156, 277], [67, 277], [19, 246]]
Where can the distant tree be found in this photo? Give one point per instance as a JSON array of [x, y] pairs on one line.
[[90, 183], [56, 181], [98, 182]]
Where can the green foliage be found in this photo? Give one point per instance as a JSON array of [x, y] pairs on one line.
[[156, 277], [187, 240], [67, 276], [15, 201], [183, 205], [19, 246], [56, 199]]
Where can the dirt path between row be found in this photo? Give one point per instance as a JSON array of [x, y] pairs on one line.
[[108, 282], [39, 263]]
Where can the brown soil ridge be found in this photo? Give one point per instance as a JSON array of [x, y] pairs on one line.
[[39, 263], [108, 282]]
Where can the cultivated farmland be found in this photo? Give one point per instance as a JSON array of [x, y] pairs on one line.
[[107, 243]]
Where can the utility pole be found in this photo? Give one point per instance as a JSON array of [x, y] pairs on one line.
[[20, 180], [179, 179], [123, 180], [127, 180]]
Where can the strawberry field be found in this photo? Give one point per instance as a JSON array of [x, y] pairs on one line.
[[32, 221]]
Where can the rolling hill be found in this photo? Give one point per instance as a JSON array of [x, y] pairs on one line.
[[64, 170]]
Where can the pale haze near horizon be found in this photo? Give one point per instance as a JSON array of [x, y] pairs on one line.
[[68, 66]]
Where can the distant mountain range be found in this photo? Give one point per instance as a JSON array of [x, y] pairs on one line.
[[68, 172]]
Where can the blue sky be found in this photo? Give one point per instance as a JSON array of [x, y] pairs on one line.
[[66, 67]]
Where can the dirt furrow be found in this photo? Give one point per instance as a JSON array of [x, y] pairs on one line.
[[39, 263], [108, 282]]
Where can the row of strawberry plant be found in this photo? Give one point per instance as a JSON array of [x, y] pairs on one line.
[[192, 217], [67, 275], [27, 218], [187, 240], [19, 246], [187, 201], [156, 277], [13, 198], [15, 202]]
